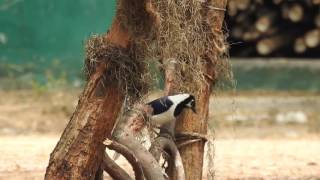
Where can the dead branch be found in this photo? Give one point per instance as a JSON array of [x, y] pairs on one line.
[[165, 144], [187, 142], [127, 153], [150, 166], [138, 119], [190, 136], [129, 125], [113, 169]]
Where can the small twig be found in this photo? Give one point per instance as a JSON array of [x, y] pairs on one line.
[[163, 143], [216, 8], [187, 142], [212, 7], [209, 77], [191, 136], [129, 155]]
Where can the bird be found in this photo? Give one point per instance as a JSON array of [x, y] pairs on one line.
[[165, 110], [168, 108]]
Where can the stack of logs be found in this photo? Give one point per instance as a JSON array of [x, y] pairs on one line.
[[274, 28]]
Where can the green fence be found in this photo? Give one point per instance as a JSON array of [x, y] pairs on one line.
[[277, 74], [42, 37], [42, 42]]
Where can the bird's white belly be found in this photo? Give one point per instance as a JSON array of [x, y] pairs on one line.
[[163, 118]]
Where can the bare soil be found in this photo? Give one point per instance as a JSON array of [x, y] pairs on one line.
[[26, 157], [245, 148]]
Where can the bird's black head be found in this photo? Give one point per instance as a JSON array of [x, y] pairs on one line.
[[183, 101], [190, 102]]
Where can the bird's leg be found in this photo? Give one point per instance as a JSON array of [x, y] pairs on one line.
[[168, 129]]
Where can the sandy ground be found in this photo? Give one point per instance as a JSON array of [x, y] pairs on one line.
[[267, 159], [250, 143], [26, 157]]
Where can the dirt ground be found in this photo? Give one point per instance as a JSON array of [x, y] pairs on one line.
[[26, 157], [252, 141]]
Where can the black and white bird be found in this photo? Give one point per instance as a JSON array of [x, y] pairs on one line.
[[167, 108]]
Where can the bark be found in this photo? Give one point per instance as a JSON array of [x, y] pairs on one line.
[[192, 154], [99, 174], [79, 151]]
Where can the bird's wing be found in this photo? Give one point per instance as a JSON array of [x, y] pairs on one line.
[[160, 105]]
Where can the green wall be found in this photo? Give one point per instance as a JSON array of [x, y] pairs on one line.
[[44, 35], [42, 42], [277, 74]]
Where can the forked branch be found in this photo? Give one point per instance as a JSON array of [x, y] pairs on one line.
[[165, 144], [130, 124], [128, 154], [113, 169]]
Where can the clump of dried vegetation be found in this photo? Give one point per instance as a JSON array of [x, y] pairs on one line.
[[124, 69], [186, 37], [128, 68]]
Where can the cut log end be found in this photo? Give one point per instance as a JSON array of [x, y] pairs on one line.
[[312, 38], [296, 13], [300, 46]]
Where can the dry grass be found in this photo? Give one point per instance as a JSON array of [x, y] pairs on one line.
[[187, 39], [125, 68], [174, 31]]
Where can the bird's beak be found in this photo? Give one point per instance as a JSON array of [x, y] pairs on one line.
[[194, 110]]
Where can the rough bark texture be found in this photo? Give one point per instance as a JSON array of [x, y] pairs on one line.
[[79, 151], [192, 154]]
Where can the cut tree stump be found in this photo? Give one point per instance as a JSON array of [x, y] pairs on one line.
[[192, 154], [80, 151]]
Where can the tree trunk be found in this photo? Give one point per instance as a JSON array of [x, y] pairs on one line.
[[80, 150], [192, 154]]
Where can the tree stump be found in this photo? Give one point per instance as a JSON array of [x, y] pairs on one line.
[[79, 151]]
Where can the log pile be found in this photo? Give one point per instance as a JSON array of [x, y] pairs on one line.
[[274, 28]]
